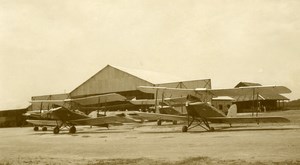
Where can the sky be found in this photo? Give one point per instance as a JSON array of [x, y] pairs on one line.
[[52, 46]]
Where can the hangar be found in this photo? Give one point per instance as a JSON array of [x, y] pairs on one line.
[[123, 81], [12, 117], [246, 103], [263, 101]]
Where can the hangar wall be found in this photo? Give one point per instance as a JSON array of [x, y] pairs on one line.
[[108, 80], [12, 117]]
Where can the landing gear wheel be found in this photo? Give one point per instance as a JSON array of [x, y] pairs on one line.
[[72, 129], [35, 128], [158, 122], [174, 122], [184, 129], [56, 130], [211, 129], [44, 129]]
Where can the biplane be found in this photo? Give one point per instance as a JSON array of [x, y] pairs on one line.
[[61, 117], [202, 113]]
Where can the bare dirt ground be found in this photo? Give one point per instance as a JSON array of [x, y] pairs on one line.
[[151, 144]]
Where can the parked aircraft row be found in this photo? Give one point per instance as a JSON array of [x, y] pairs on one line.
[[199, 111]]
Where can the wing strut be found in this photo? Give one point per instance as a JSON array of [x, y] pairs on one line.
[[254, 109], [156, 108]]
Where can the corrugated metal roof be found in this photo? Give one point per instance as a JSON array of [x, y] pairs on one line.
[[150, 76]]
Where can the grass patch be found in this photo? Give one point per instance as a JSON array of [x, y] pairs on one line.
[[188, 161], [143, 161]]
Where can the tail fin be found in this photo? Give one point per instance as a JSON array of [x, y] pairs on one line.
[[93, 114], [232, 111]]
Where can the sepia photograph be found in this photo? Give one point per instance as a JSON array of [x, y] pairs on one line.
[[150, 82]]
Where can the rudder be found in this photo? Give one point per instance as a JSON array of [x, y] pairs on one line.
[[232, 111]]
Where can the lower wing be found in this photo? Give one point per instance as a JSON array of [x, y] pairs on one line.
[[248, 120], [113, 120], [44, 122], [157, 116]]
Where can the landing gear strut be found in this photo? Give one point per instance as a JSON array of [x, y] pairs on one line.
[[202, 123]]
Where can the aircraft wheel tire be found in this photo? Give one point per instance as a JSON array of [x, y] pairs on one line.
[[174, 122], [56, 130], [35, 128], [44, 129], [158, 122], [211, 129], [184, 129], [72, 129]]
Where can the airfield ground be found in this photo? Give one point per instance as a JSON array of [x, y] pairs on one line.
[[151, 144]]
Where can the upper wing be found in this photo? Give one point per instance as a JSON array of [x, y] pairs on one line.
[[217, 92], [99, 99], [87, 100], [102, 120], [47, 101], [231, 120], [152, 101], [248, 91], [165, 90], [44, 122]]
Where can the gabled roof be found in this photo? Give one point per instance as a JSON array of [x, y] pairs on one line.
[[150, 76], [137, 77]]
